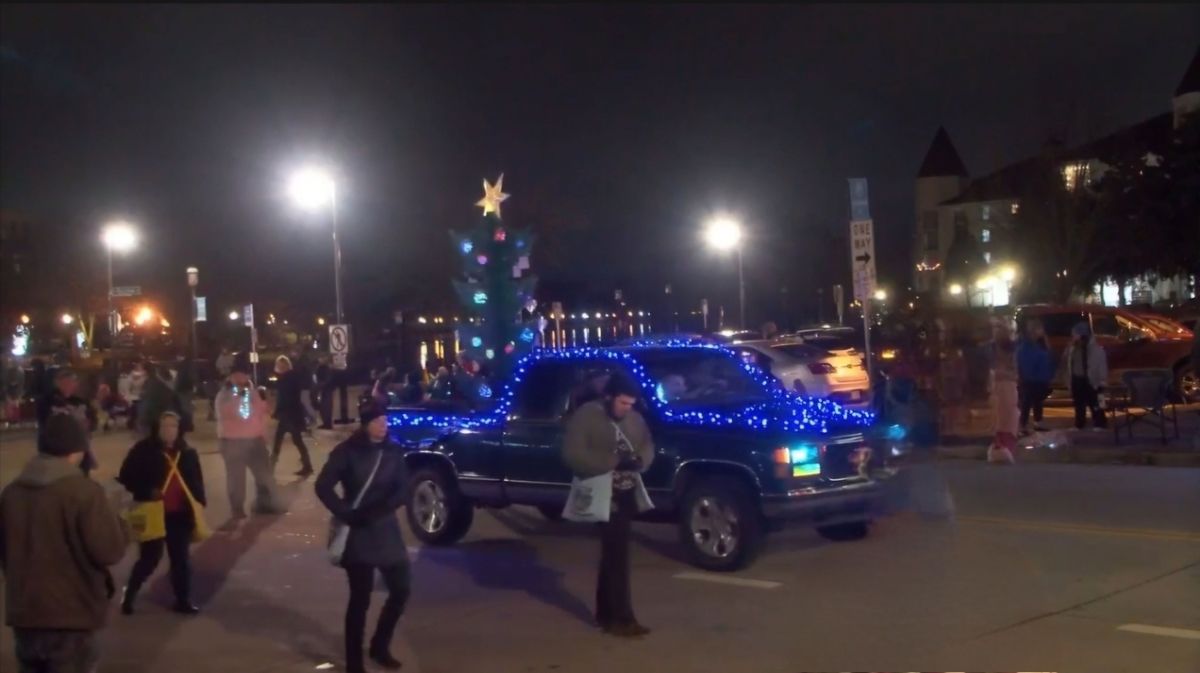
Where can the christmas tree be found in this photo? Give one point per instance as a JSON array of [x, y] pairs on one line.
[[495, 288]]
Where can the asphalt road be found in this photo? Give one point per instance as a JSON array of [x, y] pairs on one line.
[[1093, 569]]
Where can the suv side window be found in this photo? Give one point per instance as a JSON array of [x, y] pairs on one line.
[[542, 395], [1105, 324], [754, 357], [1059, 324]]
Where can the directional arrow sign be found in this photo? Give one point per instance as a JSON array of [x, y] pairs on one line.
[[862, 257]]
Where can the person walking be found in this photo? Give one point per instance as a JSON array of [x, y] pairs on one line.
[[58, 536], [289, 411], [370, 469], [324, 386], [158, 397], [241, 433], [1004, 393], [162, 467], [1087, 369], [609, 435], [64, 398], [137, 384], [1035, 373]]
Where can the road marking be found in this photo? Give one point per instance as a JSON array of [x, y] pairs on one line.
[[1186, 634], [725, 579], [1178, 536]]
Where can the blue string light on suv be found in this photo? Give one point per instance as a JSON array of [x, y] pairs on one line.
[[784, 411]]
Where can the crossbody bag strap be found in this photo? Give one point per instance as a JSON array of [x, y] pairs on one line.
[[370, 478], [173, 469]]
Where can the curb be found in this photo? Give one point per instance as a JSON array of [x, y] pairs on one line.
[[1083, 456]]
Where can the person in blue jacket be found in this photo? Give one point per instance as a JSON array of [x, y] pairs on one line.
[[1035, 373]]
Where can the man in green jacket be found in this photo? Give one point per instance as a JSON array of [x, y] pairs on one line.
[[58, 536], [610, 436]]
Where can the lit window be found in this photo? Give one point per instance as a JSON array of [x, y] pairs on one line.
[[1074, 175], [985, 235], [1015, 208], [986, 212], [987, 257]]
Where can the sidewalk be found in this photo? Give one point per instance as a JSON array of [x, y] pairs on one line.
[[1087, 446]]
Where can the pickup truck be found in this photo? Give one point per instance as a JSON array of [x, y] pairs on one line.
[[736, 454]]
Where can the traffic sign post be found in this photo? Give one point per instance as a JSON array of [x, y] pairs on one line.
[[339, 345], [862, 258], [556, 312]]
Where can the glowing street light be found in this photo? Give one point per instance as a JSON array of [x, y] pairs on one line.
[[956, 289], [233, 315], [24, 318], [121, 237], [1008, 274], [880, 295], [312, 188], [67, 319], [723, 234]]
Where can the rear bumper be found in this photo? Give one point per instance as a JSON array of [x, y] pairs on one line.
[[853, 501]]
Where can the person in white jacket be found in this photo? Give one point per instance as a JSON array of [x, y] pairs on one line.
[[1087, 369]]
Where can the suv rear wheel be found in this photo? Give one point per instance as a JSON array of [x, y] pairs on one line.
[[720, 525], [1187, 382], [437, 513]]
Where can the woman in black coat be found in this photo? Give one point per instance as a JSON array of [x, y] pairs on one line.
[[375, 541], [290, 412], [145, 474]]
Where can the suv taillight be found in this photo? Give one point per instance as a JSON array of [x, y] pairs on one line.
[[821, 368]]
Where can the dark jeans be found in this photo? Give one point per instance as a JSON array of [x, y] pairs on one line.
[[177, 544], [56, 651], [1086, 397], [614, 599], [1033, 398], [362, 580], [326, 404], [294, 427]]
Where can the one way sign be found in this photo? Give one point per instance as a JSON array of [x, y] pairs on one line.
[[862, 258]]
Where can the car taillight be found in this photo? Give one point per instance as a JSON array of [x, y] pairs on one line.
[[821, 368]]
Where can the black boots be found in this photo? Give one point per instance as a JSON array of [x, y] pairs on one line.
[[384, 658]]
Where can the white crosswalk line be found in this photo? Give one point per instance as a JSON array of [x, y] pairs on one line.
[[725, 579]]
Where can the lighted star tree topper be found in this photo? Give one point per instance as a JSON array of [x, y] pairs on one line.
[[495, 288]]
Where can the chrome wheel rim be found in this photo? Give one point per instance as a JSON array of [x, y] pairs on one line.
[[714, 527], [1189, 386], [429, 506]]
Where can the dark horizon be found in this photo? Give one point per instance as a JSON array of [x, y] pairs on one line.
[[618, 131]]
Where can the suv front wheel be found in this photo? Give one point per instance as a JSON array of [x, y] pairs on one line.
[[720, 525], [437, 513]]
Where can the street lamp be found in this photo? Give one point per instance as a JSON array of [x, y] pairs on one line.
[[67, 319], [233, 315], [723, 233], [311, 189], [121, 237], [881, 295], [193, 279]]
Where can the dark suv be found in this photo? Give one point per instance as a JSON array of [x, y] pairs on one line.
[[735, 453]]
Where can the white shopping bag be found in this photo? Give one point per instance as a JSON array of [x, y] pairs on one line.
[[644, 503], [590, 500]]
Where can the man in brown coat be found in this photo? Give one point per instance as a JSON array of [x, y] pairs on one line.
[[610, 436], [58, 536]]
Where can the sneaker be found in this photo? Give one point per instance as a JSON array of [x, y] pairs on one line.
[[633, 630], [186, 608], [386, 660]]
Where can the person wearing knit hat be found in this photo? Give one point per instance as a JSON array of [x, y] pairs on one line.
[[368, 506], [1087, 372], [57, 597]]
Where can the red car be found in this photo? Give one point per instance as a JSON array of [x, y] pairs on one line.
[[1130, 341]]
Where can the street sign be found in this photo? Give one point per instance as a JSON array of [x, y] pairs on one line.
[[860, 205], [862, 258], [201, 309], [248, 315], [339, 361], [127, 291], [339, 339]]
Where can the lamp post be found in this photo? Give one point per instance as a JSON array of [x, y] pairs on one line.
[[118, 236], [193, 279], [723, 234], [312, 188]]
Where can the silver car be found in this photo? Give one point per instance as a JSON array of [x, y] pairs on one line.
[[809, 370]]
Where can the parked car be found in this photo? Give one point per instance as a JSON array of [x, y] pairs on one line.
[[806, 369], [1129, 341], [735, 453]]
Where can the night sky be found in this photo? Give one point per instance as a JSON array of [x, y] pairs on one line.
[[618, 130]]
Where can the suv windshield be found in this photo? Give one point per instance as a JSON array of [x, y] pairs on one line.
[[694, 377]]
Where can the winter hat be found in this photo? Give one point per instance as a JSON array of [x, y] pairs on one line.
[[63, 435], [241, 364], [1081, 330], [369, 411]]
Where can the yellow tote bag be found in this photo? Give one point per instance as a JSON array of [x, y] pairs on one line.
[[147, 521], [200, 529]]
